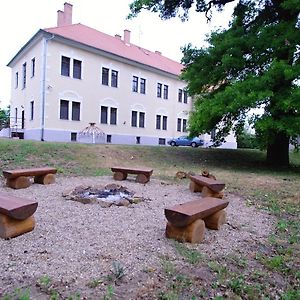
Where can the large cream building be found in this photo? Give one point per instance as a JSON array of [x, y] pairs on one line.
[[67, 77]]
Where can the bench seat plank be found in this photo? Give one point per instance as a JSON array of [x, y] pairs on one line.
[[10, 174], [186, 213], [130, 170], [17, 208], [214, 185]]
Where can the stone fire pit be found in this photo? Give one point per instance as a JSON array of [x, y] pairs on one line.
[[105, 196]]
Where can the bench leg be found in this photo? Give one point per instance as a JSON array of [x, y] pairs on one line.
[[120, 176], [193, 233], [216, 220], [142, 178], [207, 192], [44, 179], [10, 227], [21, 182], [194, 187]]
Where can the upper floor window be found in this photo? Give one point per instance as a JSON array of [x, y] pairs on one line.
[[143, 86], [166, 91], [185, 96], [17, 80], [105, 72], [75, 111], [32, 67], [159, 90], [114, 78], [24, 75], [76, 69], [180, 93], [135, 82], [108, 115], [65, 66], [64, 110]]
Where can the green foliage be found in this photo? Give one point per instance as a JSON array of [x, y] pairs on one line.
[[247, 140], [191, 255], [4, 117]]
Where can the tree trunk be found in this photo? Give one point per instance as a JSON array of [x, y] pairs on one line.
[[278, 150]]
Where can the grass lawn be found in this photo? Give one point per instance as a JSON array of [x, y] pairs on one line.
[[245, 174]]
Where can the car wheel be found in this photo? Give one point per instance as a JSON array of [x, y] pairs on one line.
[[194, 145], [173, 144]]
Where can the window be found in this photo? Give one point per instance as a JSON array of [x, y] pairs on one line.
[[64, 110], [138, 140], [161, 122], [185, 96], [181, 125], [213, 134], [134, 118], [135, 81], [65, 66], [76, 69], [31, 110], [113, 116], [161, 141], [158, 121], [166, 91], [114, 78], [142, 120], [105, 73], [159, 89], [17, 80], [16, 115], [143, 86], [180, 95], [33, 67], [108, 138], [164, 126], [178, 124], [103, 117], [24, 75], [73, 136], [75, 111], [108, 115]]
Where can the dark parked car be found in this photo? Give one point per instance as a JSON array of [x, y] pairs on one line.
[[186, 141]]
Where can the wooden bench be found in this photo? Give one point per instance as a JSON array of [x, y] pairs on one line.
[[187, 221], [18, 178], [143, 174], [16, 215], [208, 186]]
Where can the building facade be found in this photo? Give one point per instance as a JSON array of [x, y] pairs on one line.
[[71, 77]]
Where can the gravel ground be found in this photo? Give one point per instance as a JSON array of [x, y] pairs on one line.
[[75, 243]]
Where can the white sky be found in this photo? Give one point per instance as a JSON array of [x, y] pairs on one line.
[[21, 19]]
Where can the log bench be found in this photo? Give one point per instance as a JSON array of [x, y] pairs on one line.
[[209, 187], [187, 221], [16, 215], [18, 178], [143, 174]]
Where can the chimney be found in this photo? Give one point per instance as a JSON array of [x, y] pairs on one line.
[[158, 52], [118, 36], [64, 18], [127, 36]]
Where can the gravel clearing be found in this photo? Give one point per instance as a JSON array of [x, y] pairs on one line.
[[75, 243]]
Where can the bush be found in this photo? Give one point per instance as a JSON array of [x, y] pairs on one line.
[[247, 140]]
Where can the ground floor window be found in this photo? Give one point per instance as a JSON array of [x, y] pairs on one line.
[[108, 138], [73, 136], [138, 140], [161, 122], [161, 141], [108, 115]]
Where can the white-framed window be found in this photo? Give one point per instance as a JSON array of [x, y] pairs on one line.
[[31, 110], [161, 122], [181, 125], [108, 115], [16, 80], [137, 119], [24, 75], [66, 107], [138, 85], [67, 63], [109, 77], [32, 67]]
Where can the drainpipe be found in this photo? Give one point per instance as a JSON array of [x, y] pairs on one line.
[[43, 83]]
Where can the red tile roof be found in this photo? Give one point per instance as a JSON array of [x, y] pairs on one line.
[[94, 38]]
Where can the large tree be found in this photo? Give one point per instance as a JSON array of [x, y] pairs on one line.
[[255, 63]]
